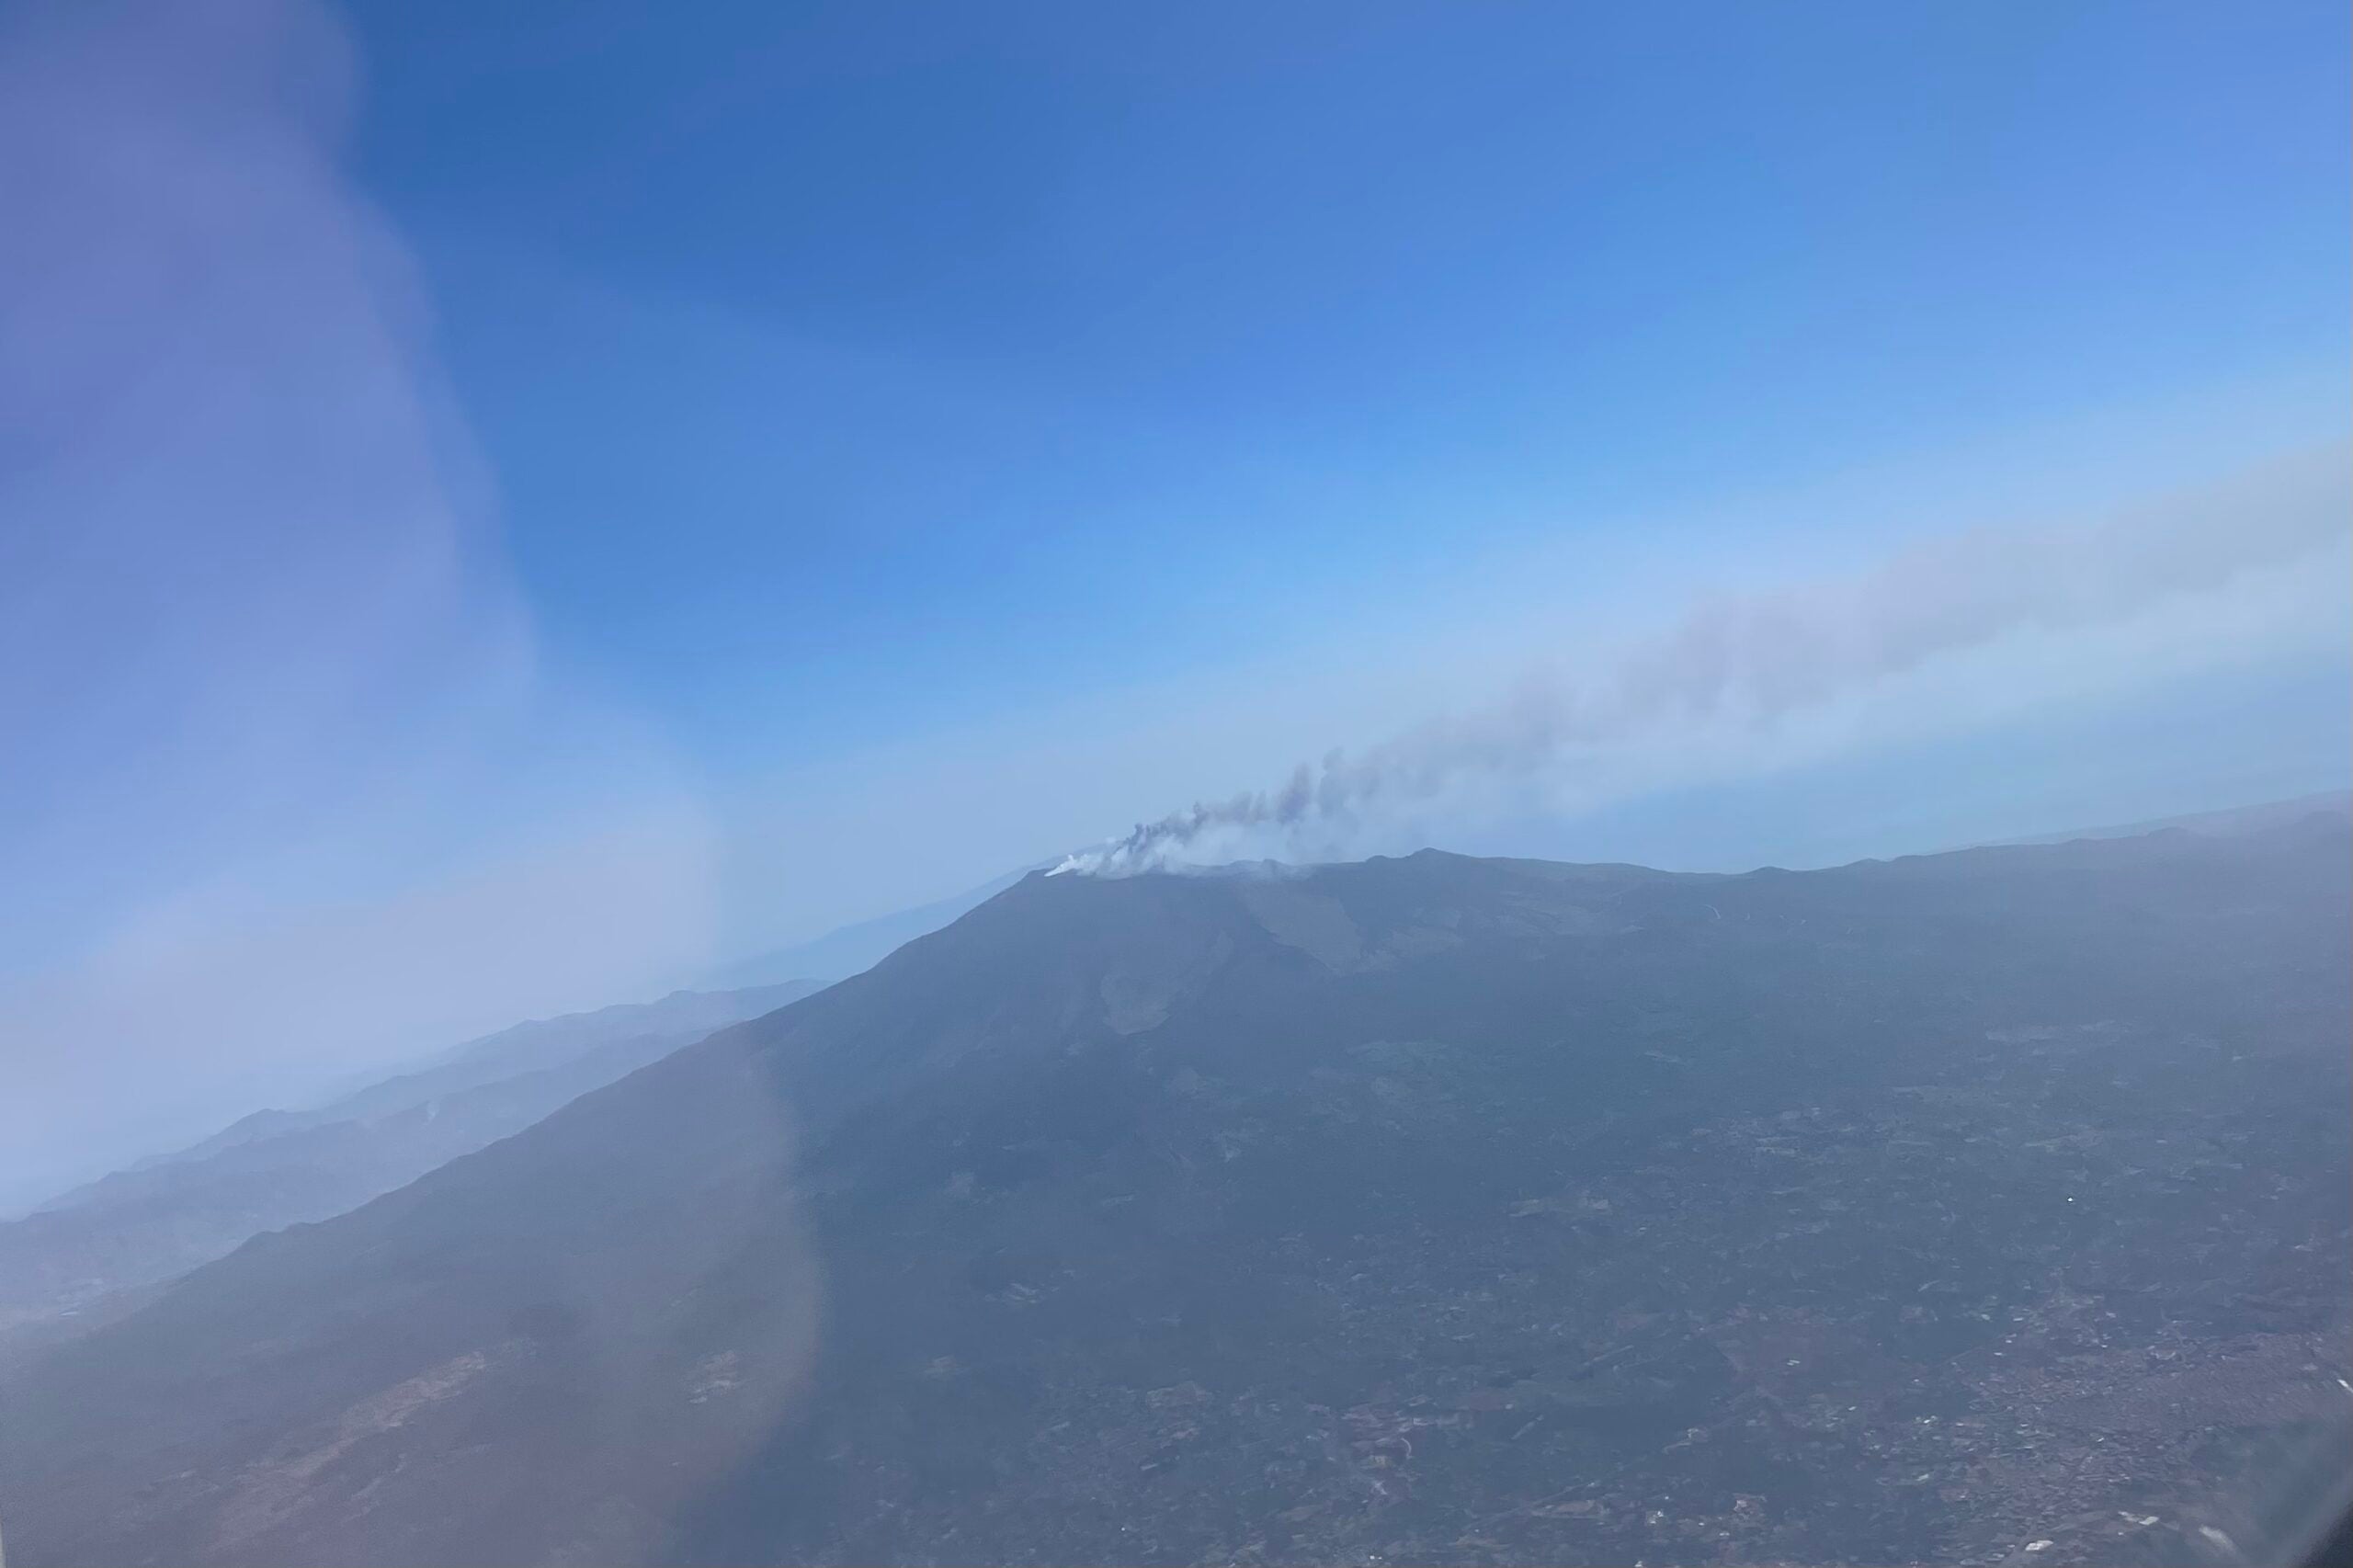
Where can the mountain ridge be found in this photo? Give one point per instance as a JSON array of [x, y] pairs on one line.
[[1126, 1166], [138, 1227]]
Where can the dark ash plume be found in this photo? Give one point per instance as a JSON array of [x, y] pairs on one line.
[[1757, 657]]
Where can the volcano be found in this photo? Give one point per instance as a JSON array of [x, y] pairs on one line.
[[1428, 1209]]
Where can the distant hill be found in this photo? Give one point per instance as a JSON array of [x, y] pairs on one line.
[[276, 1168], [1430, 1209], [854, 947], [2229, 820]]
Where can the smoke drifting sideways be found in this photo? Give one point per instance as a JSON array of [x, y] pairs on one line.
[[1760, 658]]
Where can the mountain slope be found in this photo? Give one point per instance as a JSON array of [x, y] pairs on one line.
[[2255, 818], [1431, 1207], [277, 1167]]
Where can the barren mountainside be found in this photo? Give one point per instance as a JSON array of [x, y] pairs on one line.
[[1416, 1210]]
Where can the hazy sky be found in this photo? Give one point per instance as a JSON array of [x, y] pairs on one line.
[[497, 518]]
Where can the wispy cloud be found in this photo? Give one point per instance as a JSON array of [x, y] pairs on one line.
[[288, 782]]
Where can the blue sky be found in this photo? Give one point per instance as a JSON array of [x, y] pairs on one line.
[[512, 515], [941, 361]]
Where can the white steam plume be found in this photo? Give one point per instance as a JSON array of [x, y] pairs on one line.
[[1759, 657]]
